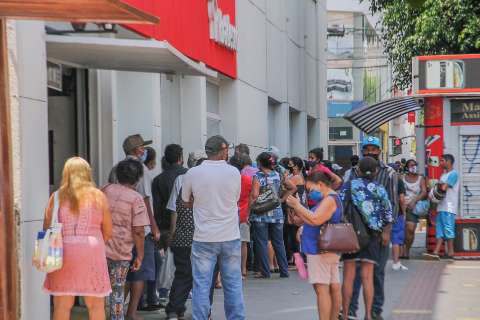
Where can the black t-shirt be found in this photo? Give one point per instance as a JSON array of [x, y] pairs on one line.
[[162, 186]]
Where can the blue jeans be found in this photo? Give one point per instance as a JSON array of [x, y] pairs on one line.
[[378, 283], [261, 232], [204, 257]]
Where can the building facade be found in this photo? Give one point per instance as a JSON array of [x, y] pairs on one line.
[[80, 90]]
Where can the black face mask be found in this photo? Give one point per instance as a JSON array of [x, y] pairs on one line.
[[354, 163], [374, 156]]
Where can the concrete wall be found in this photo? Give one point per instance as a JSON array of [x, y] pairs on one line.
[[30, 129], [281, 58]]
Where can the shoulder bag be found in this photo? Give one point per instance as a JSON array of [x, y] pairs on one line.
[[338, 237], [48, 252], [267, 199]]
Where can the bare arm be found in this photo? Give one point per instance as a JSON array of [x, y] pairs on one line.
[[153, 223], [423, 186], [47, 221], [336, 180], [290, 186], [107, 220], [255, 191], [322, 214], [138, 234]]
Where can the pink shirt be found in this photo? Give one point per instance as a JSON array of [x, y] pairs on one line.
[[128, 210], [321, 168]]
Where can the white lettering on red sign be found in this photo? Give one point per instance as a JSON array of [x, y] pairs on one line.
[[221, 30]]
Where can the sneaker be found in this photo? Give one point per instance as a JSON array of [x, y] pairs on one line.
[[181, 316], [376, 316], [432, 256], [447, 258], [172, 316], [352, 315], [399, 267]]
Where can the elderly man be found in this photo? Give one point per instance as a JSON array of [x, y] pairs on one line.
[[214, 188]]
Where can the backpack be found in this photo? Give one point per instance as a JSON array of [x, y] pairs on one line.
[[353, 216]]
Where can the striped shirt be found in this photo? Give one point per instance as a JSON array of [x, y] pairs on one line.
[[388, 178]]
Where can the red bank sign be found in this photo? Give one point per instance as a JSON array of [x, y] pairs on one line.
[[203, 30]]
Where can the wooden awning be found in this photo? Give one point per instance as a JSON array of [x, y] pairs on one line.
[[113, 11]]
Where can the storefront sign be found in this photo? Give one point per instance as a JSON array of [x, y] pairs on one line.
[[221, 30], [446, 74], [54, 76], [203, 30], [465, 112]]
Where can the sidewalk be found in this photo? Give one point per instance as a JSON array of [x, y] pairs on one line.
[[429, 290]]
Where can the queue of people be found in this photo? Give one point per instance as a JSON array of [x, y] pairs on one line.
[[224, 216]]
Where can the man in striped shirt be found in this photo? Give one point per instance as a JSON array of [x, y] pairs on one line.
[[388, 178]]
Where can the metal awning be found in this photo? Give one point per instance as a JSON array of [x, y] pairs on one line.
[[371, 117], [123, 54], [114, 11]]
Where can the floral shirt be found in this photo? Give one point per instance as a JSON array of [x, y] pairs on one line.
[[276, 215], [371, 200]]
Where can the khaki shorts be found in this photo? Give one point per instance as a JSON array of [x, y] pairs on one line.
[[244, 232], [323, 268]]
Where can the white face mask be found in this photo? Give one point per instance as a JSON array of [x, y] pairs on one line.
[[412, 169]]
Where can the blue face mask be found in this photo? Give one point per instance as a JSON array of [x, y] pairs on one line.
[[144, 156], [314, 197]]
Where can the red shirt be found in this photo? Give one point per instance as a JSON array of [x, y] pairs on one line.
[[244, 198], [321, 168]]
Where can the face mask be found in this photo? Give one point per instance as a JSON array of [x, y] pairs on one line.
[[412, 169], [354, 163], [143, 157], [314, 196], [290, 169], [374, 156]]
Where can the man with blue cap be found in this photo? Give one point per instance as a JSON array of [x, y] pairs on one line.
[[388, 178]]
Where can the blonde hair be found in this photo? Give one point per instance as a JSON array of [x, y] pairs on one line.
[[76, 182]]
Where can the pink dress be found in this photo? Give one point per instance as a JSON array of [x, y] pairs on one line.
[[84, 271]]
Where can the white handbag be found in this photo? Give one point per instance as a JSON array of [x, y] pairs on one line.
[[48, 253]]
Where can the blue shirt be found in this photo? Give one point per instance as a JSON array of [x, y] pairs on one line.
[[310, 233], [276, 215], [371, 200]]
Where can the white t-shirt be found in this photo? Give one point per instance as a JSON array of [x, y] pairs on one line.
[[450, 203], [215, 187]]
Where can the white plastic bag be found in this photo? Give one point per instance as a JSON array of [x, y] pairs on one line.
[[48, 253]]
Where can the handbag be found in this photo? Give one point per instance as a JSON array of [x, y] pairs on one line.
[[338, 237], [267, 200], [421, 208], [48, 252]]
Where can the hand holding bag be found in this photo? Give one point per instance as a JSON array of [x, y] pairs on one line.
[[338, 237], [48, 252]]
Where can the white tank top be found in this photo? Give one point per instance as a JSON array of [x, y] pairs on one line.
[[412, 189]]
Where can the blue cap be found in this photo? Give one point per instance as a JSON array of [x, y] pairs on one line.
[[371, 141]]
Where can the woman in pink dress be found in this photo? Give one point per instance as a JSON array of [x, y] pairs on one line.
[[85, 215]]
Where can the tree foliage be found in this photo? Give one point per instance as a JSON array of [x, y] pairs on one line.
[[411, 28]]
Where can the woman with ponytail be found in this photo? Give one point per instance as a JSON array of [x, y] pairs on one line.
[[87, 225]]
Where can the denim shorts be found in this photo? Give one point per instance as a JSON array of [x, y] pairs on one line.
[[370, 254], [147, 270], [445, 225]]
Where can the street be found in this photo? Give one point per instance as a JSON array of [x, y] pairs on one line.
[[429, 290]]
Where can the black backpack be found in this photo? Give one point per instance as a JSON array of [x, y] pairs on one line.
[[353, 216]]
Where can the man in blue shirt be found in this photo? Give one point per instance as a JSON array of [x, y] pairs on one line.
[[447, 208]]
